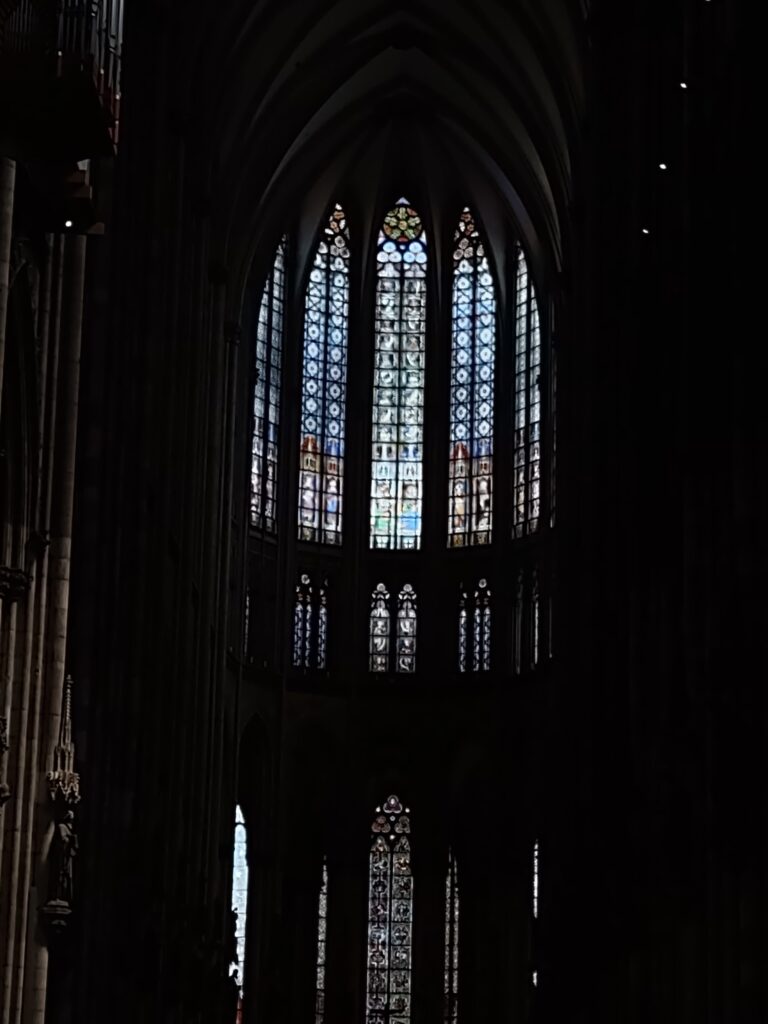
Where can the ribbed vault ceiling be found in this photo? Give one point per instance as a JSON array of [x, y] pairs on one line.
[[299, 99]]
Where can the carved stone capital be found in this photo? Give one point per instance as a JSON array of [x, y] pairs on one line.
[[64, 787], [14, 583]]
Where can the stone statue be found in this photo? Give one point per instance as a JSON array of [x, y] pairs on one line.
[[63, 852]]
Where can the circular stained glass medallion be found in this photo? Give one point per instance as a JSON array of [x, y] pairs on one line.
[[402, 224]]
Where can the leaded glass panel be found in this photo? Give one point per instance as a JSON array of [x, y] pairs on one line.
[[473, 355], [324, 387], [379, 630], [266, 396], [527, 433], [240, 902], [475, 629], [322, 921], [390, 917], [406, 630], [398, 389], [310, 624]]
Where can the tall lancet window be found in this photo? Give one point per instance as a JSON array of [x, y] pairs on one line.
[[266, 396], [535, 900], [324, 386], [390, 917], [451, 974], [398, 386], [322, 919], [406, 630], [527, 444], [379, 630], [473, 355], [240, 904], [475, 629]]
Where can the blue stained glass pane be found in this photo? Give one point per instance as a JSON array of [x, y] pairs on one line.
[[526, 498], [240, 898], [398, 391], [323, 405], [266, 396], [470, 457]]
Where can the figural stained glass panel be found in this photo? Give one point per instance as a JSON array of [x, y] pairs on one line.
[[390, 917], [324, 387], [379, 629], [526, 503], [398, 387], [310, 624], [451, 966], [266, 396], [473, 355], [475, 629], [406, 630]]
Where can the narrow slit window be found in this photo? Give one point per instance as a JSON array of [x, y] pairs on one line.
[[526, 505], [266, 396], [240, 905], [322, 924], [451, 971]]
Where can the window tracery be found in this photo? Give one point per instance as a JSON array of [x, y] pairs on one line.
[[451, 964], [322, 923], [310, 624], [398, 389], [473, 355], [475, 629], [390, 916], [324, 387]]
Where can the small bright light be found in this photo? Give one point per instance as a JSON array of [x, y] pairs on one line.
[[662, 167], [67, 223], [683, 85], [646, 231]]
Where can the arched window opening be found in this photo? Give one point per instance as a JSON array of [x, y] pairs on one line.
[[378, 638], [266, 396], [527, 435], [398, 388], [310, 624], [240, 905], [390, 916], [324, 387], [451, 987], [473, 354], [517, 630], [475, 629], [406, 629], [322, 918]]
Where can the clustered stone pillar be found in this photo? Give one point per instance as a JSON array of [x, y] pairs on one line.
[[37, 827]]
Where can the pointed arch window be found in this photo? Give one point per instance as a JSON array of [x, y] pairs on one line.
[[451, 980], [527, 434], [324, 387], [322, 921], [535, 903], [475, 629], [310, 624], [390, 916], [473, 356], [240, 904], [266, 395], [406, 630], [379, 630], [398, 387]]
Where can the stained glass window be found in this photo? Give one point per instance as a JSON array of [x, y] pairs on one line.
[[322, 919], [390, 916], [406, 629], [240, 904], [473, 354], [527, 434], [517, 627], [535, 900], [324, 386], [475, 629], [451, 986], [266, 396], [310, 624], [535, 625], [378, 638], [398, 387]]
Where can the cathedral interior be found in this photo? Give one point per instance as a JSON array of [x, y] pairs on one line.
[[382, 515]]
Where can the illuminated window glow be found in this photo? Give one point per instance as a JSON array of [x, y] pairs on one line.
[[526, 505], [266, 396], [322, 920], [475, 629], [324, 387], [398, 389], [240, 904], [473, 354], [390, 917], [451, 972]]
